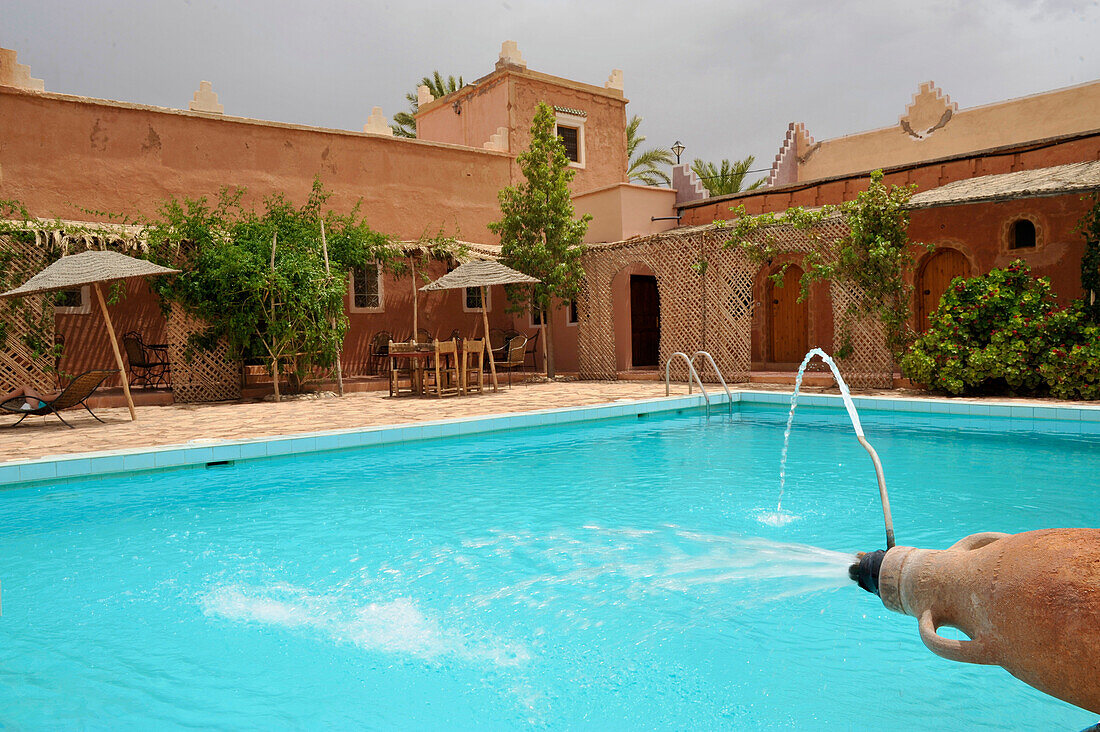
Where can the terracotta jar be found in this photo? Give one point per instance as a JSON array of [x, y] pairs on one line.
[[1029, 602]]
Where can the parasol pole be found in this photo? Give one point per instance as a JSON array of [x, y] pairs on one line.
[[339, 351], [416, 301], [488, 345], [114, 347]]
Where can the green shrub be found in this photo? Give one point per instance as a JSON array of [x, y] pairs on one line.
[[989, 334], [1073, 371]]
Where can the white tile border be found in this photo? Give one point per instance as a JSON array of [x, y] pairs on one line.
[[1007, 417], [73, 467]]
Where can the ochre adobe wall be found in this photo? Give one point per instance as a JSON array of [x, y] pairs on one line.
[[61, 153]]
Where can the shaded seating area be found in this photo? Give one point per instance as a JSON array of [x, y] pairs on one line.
[[74, 395], [149, 365]]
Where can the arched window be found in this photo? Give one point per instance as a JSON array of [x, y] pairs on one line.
[[1023, 234]]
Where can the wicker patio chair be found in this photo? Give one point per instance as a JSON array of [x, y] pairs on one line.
[[423, 336], [532, 348], [514, 359], [75, 394], [149, 365], [402, 368], [378, 355], [445, 370], [500, 349], [473, 366]]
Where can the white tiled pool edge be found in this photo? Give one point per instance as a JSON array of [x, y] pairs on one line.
[[85, 465], [1012, 417]]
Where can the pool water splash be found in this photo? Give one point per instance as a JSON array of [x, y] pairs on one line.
[[396, 626]]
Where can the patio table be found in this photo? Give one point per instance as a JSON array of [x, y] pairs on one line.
[[421, 359]]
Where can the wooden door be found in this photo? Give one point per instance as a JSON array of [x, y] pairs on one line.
[[933, 279], [645, 321], [789, 319]]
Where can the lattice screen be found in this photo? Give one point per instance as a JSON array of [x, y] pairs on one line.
[[198, 375], [710, 307], [18, 365]]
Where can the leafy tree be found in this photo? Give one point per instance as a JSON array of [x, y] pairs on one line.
[[721, 180], [404, 123], [539, 235], [259, 279], [645, 166]]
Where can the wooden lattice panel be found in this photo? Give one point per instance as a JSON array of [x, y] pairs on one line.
[[18, 365], [199, 375], [710, 307]]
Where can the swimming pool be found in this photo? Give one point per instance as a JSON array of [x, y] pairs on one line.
[[609, 574]]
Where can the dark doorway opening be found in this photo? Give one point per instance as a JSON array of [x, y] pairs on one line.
[[645, 321]]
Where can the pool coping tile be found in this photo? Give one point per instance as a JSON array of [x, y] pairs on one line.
[[70, 467]]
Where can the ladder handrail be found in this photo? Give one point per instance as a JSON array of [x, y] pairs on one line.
[[721, 379], [691, 373]]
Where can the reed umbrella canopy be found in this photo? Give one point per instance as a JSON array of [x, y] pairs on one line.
[[93, 268], [482, 274]]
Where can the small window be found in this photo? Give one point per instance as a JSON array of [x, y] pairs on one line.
[[72, 302], [570, 137], [1023, 234], [366, 287], [536, 315], [472, 301], [574, 316]]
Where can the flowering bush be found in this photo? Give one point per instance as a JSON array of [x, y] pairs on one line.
[[1003, 332], [1073, 371]]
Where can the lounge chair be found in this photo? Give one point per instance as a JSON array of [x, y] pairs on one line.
[[75, 394]]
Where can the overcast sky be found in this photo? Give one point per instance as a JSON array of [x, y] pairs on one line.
[[725, 77]]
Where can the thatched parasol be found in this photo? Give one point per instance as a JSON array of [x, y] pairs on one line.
[[93, 268], [481, 274]]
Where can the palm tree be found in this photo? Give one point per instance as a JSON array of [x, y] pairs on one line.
[[644, 167], [404, 123], [729, 178]]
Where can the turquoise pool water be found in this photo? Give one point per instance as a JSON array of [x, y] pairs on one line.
[[606, 575]]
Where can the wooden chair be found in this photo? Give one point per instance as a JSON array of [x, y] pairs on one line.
[[378, 357], [399, 368], [445, 369], [473, 366], [514, 359]]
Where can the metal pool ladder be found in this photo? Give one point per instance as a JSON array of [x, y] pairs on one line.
[[692, 373]]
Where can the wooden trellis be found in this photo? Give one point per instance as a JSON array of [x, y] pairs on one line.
[[199, 375], [706, 301], [19, 366]]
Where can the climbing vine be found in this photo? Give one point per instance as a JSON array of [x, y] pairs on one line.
[[36, 314], [1089, 226], [873, 255]]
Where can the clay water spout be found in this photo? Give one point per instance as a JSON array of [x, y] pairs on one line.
[[1028, 602]]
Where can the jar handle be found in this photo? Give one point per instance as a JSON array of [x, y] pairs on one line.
[[977, 541], [963, 651]]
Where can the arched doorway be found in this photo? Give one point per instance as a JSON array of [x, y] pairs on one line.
[[788, 319], [645, 321], [933, 279]]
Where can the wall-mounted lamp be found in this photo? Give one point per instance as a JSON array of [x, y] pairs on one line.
[[678, 150]]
